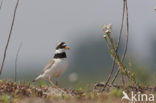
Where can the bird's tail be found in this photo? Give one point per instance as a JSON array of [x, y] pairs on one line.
[[36, 79]]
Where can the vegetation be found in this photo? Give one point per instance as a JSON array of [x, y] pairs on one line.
[[12, 92]]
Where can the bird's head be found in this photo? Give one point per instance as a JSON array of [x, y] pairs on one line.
[[61, 47]]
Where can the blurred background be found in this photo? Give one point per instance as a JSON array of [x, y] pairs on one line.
[[41, 24]]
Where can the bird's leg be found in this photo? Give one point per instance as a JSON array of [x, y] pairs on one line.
[[51, 81], [53, 85], [56, 82]]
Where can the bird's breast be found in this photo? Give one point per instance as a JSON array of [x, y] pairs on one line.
[[59, 67]]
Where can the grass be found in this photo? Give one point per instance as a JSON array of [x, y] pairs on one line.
[[22, 92], [12, 92]]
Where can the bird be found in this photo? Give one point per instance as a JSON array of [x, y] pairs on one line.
[[56, 66]]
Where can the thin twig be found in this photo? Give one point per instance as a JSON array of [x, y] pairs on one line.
[[127, 35], [6, 47], [116, 74], [121, 29], [118, 60], [127, 32], [1, 4], [19, 48]]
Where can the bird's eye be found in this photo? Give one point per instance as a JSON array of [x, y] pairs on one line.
[[64, 45]]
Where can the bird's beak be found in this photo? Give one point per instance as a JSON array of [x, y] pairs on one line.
[[66, 48]]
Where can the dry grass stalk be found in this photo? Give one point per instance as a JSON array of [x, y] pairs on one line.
[[117, 47], [113, 49], [6, 47], [127, 35], [1, 4], [19, 48]]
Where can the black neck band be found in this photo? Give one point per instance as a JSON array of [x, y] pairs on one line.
[[60, 55]]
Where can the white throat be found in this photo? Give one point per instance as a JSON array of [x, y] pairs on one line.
[[58, 51]]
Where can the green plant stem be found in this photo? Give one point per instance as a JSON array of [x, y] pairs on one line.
[[113, 53], [127, 35]]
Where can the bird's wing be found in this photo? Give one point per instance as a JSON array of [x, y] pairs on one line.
[[49, 65]]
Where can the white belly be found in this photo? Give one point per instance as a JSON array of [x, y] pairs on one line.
[[58, 68]]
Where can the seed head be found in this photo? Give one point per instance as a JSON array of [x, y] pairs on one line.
[[107, 28], [107, 31], [105, 36]]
